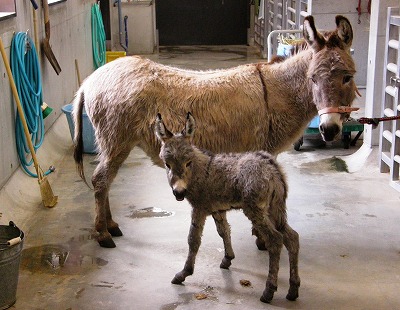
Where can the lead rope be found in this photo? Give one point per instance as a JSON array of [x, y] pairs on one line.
[[375, 121]]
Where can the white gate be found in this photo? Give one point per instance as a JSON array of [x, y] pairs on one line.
[[275, 15], [389, 144]]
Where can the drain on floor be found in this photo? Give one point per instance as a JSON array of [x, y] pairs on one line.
[[150, 212]]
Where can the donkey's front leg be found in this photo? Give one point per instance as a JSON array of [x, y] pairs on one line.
[[224, 231], [194, 240]]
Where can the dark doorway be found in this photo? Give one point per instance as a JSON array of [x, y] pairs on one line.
[[202, 22]]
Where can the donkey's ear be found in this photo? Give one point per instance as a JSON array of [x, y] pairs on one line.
[[344, 30], [311, 35], [162, 133], [190, 126]]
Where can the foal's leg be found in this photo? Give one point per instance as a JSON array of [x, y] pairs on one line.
[[291, 242], [194, 240], [260, 243], [224, 231], [273, 241], [102, 178]]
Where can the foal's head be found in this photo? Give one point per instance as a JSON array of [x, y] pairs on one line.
[[331, 72], [178, 154]]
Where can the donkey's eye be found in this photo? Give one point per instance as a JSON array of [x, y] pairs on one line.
[[168, 166], [347, 78], [188, 164]]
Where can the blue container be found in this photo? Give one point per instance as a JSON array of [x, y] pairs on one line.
[[89, 145], [314, 122]]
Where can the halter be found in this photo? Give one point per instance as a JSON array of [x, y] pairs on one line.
[[341, 110]]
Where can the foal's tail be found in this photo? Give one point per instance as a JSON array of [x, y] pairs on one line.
[[78, 137]]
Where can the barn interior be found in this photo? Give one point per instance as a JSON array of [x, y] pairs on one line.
[[343, 196]]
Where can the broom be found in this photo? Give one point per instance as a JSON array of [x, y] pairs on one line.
[[48, 198]]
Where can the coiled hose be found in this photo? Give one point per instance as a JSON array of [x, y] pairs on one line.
[[26, 73], [98, 37]]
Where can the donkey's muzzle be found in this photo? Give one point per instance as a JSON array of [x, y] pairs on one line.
[[329, 132], [179, 194]]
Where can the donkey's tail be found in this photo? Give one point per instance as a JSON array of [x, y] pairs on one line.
[[78, 137]]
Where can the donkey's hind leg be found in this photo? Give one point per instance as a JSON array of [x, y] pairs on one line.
[[112, 226], [102, 178], [291, 242], [260, 243], [273, 241], [224, 231]]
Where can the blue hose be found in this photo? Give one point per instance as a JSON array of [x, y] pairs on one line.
[[26, 73], [98, 37]]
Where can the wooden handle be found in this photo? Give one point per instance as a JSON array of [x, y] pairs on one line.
[[46, 19], [20, 110]]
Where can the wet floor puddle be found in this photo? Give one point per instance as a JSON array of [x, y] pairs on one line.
[[324, 165], [150, 212], [58, 259]]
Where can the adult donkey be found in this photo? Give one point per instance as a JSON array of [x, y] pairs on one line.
[[272, 103]]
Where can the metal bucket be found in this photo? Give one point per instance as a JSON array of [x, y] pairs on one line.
[[11, 242]]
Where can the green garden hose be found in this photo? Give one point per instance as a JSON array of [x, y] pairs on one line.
[[98, 37], [26, 73]]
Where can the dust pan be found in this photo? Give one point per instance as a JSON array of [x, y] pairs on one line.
[[48, 198]]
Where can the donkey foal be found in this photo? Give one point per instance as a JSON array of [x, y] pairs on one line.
[[214, 184]]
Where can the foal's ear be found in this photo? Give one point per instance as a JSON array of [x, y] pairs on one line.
[[162, 133], [311, 35], [344, 31], [190, 126]]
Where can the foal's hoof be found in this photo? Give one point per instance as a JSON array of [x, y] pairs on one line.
[[293, 293], [226, 263], [115, 231], [179, 278], [268, 294], [292, 296], [107, 243]]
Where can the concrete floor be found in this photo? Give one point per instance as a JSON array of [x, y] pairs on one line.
[[348, 225]]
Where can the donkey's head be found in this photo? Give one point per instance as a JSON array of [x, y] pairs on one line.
[[177, 153], [331, 72]]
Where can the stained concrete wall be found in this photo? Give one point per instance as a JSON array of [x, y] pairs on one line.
[[70, 39]]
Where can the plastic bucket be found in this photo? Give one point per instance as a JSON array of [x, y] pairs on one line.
[[89, 145], [11, 242]]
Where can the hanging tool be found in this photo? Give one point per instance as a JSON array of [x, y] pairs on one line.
[[48, 198], [78, 73], [46, 41]]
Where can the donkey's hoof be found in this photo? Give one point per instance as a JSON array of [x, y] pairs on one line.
[[177, 280], [226, 263], [107, 243], [260, 244], [293, 293], [268, 294], [179, 277], [115, 231], [292, 296]]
